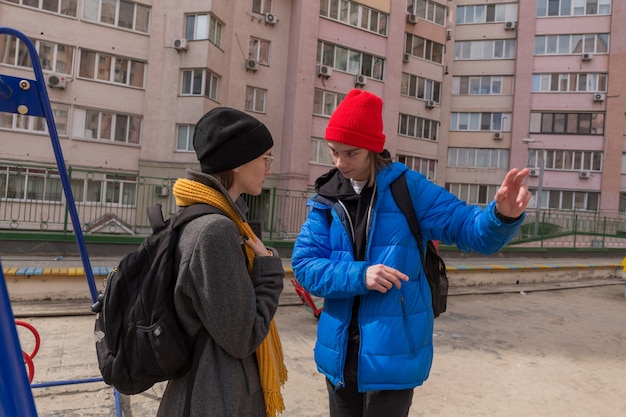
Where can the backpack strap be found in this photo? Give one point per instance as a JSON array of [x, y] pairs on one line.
[[400, 193], [193, 211], [155, 216]]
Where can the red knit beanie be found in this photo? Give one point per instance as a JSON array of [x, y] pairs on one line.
[[358, 121]]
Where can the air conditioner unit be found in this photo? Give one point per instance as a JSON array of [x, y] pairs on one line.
[[411, 18], [405, 57], [270, 18], [180, 44], [584, 174], [252, 65], [324, 71], [599, 96], [360, 80], [161, 191], [586, 56], [510, 25], [57, 81], [497, 135], [448, 34], [430, 104], [534, 173]]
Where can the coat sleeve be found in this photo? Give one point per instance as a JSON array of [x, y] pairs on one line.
[[322, 272], [215, 286], [444, 217]]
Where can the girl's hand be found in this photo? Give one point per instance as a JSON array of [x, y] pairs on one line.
[[257, 245]]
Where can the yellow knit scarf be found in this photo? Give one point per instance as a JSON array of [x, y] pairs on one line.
[[269, 354]]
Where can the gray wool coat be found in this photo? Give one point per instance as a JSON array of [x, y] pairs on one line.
[[214, 291]]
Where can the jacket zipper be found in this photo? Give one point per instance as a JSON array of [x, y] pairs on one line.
[[345, 209], [405, 322]]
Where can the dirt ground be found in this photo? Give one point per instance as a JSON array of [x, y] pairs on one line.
[[549, 353]]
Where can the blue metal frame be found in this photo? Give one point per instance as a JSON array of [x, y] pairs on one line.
[[30, 98], [16, 398]]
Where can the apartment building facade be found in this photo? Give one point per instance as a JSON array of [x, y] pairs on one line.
[[471, 89]]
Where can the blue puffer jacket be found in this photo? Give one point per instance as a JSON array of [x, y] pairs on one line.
[[396, 327]]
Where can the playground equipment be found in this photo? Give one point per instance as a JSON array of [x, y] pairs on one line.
[[314, 306], [29, 97]]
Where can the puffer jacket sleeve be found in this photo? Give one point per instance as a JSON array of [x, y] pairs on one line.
[[315, 265], [444, 217]]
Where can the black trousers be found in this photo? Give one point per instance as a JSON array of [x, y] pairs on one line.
[[349, 402]]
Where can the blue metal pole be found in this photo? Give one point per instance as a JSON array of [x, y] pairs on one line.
[[44, 102], [66, 382], [16, 397]]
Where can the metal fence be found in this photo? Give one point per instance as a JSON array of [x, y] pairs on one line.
[[32, 199], [114, 205]]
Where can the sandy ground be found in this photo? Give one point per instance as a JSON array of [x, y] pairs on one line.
[[550, 353]]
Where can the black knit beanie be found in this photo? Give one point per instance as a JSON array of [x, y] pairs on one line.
[[226, 138]]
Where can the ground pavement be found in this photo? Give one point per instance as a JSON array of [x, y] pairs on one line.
[[511, 350]]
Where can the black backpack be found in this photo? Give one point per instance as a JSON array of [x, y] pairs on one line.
[[139, 340], [434, 267]]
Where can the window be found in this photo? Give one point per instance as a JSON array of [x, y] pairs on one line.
[[488, 49], [569, 123], [199, 82], [259, 50], [256, 99], [13, 121], [566, 160], [106, 126], [423, 165], [203, 27], [184, 138], [262, 6], [30, 183], [423, 48], [120, 13], [550, 8], [325, 102], [54, 57], [63, 7], [478, 158], [495, 122], [481, 85], [112, 69], [572, 44], [352, 61], [356, 15], [473, 193], [421, 88], [485, 13], [428, 10], [31, 123], [570, 82], [114, 189], [566, 200], [60, 113], [320, 154], [417, 127]]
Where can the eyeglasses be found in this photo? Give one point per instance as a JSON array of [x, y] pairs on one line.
[[268, 161]]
